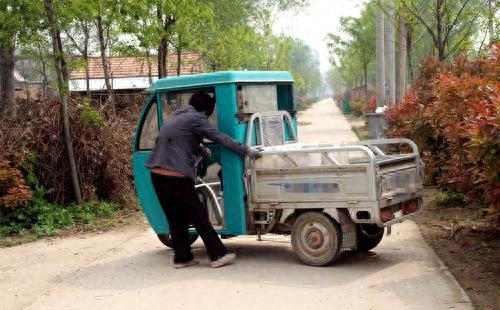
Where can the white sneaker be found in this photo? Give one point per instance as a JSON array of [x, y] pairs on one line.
[[223, 261]]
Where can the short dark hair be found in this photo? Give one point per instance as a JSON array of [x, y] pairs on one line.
[[203, 102]]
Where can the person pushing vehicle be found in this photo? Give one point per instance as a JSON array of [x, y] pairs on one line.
[[172, 164]]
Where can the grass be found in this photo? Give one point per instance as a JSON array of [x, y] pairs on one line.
[[447, 197], [359, 127], [53, 220], [469, 257], [360, 133]]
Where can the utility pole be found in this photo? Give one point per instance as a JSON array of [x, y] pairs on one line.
[[401, 60], [380, 75], [390, 72], [385, 76]]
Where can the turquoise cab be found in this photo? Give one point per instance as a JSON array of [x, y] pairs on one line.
[[239, 95]]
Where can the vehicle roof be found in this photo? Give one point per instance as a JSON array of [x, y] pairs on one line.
[[220, 77]]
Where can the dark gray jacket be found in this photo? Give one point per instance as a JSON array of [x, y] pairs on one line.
[[178, 142]]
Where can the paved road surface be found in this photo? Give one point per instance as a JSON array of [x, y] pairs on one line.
[[130, 269]]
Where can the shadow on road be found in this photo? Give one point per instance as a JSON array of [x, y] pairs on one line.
[[269, 261]]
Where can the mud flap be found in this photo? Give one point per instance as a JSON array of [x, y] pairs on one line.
[[348, 228]]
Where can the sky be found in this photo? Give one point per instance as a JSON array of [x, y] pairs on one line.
[[312, 23]]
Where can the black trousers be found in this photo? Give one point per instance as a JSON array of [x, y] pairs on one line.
[[181, 205]]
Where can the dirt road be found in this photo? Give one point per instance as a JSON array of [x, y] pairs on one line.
[[131, 269]]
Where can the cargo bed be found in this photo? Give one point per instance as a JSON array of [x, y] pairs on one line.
[[362, 177]]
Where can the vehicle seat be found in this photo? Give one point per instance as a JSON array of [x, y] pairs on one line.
[[270, 129]]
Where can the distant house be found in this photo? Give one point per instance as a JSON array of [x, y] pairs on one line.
[[19, 81], [131, 73], [26, 89]]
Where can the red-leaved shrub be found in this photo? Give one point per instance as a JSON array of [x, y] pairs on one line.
[[370, 105], [452, 113], [13, 189]]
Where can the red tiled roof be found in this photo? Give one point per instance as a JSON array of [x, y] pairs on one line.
[[137, 66]]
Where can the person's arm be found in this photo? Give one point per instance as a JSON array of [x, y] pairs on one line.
[[205, 129]]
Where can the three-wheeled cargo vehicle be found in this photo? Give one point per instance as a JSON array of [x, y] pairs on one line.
[[328, 197]]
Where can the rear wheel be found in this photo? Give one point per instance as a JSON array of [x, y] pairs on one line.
[[316, 239], [166, 239], [369, 236]]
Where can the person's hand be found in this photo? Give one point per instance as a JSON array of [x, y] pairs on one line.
[[254, 154], [205, 152]]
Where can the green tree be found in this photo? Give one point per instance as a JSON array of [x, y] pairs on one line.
[[81, 28], [166, 26], [19, 19], [241, 37], [305, 69], [451, 24], [334, 80], [106, 13], [277, 51], [352, 53], [53, 23], [229, 34]]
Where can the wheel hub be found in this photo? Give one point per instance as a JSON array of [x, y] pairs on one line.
[[314, 238]]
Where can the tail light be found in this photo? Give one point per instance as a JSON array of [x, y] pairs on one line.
[[386, 214], [410, 206]]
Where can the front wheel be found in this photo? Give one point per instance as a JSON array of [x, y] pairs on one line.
[[316, 239], [369, 236], [166, 239]]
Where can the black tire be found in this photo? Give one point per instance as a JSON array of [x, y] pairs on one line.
[[369, 236], [316, 239], [167, 239]]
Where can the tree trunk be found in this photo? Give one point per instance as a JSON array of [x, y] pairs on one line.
[[401, 60], [162, 59], [409, 53], [8, 107], [105, 67], [163, 48], [60, 66], [84, 50], [179, 54], [87, 75], [148, 61], [439, 29], [86, 59], [45, 80], [150, 67], [365, 69], [62, 61]]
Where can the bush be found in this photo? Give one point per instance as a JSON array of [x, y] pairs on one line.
[[35, 187], [32, 212], [452, 114], [361, 106], [102, 148], [13, 190], [370, 105], [356, 107]]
